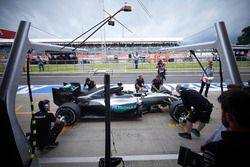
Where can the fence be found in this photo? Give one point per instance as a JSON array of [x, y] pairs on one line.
[[120, 64]]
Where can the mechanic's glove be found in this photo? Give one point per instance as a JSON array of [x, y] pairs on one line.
[[188, 114]]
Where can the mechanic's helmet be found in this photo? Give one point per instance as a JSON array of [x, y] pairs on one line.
[[179, 87], [87, 79], [43, 105], [119, 84]]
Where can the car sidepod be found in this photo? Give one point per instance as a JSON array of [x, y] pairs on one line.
[[152, 99], [126, 106]]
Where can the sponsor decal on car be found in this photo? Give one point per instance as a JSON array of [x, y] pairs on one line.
[[123, 108]]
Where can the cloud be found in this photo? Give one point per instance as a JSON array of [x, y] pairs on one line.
[[168, 18]]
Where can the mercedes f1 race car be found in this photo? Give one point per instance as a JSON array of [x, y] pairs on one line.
[[74, 104]]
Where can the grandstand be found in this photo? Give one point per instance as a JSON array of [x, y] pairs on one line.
[[113, 48], [97, 48]]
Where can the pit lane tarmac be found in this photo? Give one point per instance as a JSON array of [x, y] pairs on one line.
[[149, 141]]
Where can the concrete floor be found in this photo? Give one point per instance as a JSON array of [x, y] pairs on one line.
[[149, 141]]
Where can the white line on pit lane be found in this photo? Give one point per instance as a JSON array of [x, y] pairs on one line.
[[96, 159]]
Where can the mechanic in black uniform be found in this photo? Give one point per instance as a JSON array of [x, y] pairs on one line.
[[156, 84], [139, 83], [200, 114], [46, 134], [89, 84], [162, 72], [233, 149]]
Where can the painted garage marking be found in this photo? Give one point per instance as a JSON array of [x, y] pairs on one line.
[[174, 124]]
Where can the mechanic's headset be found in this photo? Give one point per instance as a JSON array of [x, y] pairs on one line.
[[44, 105]]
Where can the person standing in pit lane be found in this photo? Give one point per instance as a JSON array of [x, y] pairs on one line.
[[207, 77]]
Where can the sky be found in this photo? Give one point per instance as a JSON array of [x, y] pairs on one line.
[[188, 19]]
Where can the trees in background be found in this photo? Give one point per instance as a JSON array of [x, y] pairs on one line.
[[244, 38]]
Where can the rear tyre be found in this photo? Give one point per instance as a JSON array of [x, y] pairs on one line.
[[70, 111], [177, 110]]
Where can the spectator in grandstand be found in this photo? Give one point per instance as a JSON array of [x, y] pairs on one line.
[[89, 85], [139, 84], [40, 64], [156, 84], [207, 77], [136, 60], [232, 149]]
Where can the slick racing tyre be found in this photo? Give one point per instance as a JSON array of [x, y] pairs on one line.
[[70, 111], [177, 110]]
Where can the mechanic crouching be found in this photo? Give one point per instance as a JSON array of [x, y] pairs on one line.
[[48, 127], [200, 115], [139, 84], [89, 85]]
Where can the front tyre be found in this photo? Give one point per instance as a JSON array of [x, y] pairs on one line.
[[177, 111], [70, 111]]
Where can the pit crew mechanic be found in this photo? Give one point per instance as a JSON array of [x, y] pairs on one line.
[[46, 134], [139, 83], [200, 114], [156, 84], [89, 85]]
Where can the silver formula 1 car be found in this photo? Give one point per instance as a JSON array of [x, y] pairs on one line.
[[74, 104]]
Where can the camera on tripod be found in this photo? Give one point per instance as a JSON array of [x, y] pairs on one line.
[[188, 158]]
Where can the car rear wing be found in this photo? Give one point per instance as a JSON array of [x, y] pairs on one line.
[[64, 95]]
